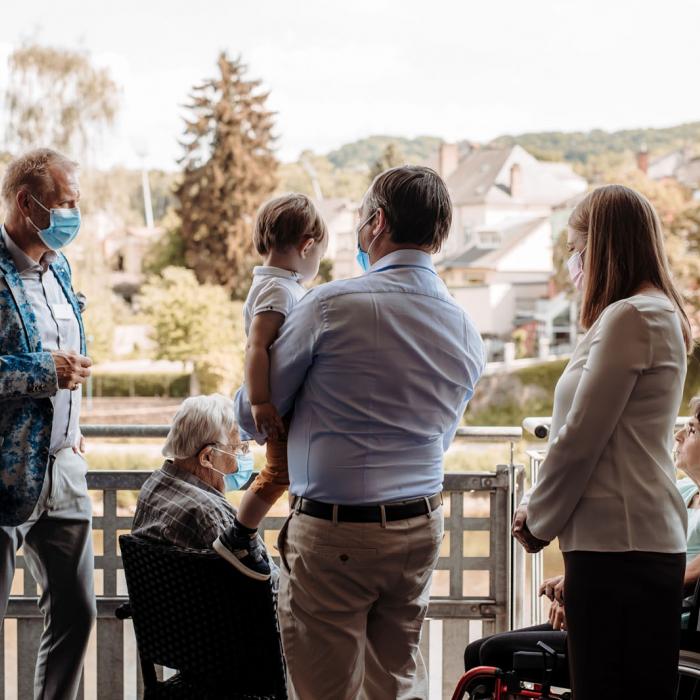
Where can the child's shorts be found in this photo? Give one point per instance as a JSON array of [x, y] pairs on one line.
[[273, 480]]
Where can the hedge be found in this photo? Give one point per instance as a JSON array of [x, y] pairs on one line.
[[147, 384]]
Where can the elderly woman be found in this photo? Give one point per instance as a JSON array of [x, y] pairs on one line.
[[498, 649], [183, 502]]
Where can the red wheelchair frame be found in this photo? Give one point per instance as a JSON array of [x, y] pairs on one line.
[[506, 684]]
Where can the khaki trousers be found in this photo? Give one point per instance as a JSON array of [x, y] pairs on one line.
[[352, 601]]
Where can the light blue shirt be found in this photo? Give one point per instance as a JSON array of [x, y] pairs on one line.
[[688, 488], [378, 370]]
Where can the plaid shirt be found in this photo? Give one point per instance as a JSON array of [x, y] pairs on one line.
[[175, 506]]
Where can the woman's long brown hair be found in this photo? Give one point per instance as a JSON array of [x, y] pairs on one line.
[[624, 251]]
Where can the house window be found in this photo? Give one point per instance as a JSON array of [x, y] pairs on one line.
[[489, 239]]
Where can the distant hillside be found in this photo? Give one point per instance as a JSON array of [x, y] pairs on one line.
[[364, 152], [574, 146], [580, 146], [344, 172]]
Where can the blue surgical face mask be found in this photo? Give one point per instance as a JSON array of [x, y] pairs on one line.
[[362, 256], [63, 227], [239, 478]]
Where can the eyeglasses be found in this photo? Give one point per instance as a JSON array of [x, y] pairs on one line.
[[239, 449], [686, 431]]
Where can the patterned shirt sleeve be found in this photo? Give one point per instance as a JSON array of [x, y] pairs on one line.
[[27, 374]]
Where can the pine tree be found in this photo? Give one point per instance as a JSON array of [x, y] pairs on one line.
[[229, 169]]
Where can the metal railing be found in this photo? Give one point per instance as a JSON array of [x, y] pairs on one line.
[[479, 583]]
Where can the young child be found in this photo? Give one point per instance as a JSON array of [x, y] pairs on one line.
[[292, 238]]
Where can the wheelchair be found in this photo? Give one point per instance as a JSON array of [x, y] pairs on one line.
[[532, 673], [531, 677], [194, 613]]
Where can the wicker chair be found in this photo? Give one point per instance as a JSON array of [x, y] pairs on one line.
[[195, 613]]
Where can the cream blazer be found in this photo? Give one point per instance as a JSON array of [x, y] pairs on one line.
[[607, 483]]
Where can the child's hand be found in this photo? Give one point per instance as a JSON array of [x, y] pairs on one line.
[[267, 420]]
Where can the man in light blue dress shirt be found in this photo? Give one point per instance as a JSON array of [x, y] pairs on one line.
[[377, 371]]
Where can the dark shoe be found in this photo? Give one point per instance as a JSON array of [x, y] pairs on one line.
[[245, 552]]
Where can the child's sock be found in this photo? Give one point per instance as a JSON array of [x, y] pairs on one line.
[[241, 530]]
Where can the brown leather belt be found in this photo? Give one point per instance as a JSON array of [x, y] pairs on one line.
[[397, 510]]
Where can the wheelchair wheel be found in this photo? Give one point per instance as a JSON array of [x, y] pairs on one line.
[[688, 676], [485, 681]]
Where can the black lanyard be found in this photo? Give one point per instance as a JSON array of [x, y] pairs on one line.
[[396, 267]]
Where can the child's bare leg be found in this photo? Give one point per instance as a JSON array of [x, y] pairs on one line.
[[240, 544], [252, 510]]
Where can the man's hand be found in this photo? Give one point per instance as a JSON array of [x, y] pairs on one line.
[[71, 369], [553, 588], [557, 616], [267, 420], [522, 533]]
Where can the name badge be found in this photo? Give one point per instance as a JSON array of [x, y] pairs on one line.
[[62, 312]]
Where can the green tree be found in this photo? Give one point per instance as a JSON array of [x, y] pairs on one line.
[[229, 170], [196, 323], [168, 250], [683, 247], [561, 278], [333, 181], [325, 271], [391, 157], [56, 97], [90, 277]]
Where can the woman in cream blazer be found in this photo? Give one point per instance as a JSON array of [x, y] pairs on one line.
[[607, 486]]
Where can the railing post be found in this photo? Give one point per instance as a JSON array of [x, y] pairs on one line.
[[536, 560], [515, 553]]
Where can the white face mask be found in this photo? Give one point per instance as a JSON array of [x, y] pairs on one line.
[[575, 265]]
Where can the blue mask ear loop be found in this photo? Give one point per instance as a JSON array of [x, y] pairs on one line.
[[360, 227]]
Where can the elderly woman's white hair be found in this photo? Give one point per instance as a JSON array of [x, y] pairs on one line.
[[200, 421]]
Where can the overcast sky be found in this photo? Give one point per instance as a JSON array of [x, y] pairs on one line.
[[338, 71]]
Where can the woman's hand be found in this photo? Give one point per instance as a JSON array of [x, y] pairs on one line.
[[553, 588], [557, 617], [521, 532]]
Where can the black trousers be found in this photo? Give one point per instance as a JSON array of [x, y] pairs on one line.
[[498, 649], [622, 612]]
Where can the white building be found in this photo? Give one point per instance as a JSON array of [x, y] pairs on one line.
[[498, 259], [340, 216], [492, 186], [504, 270]]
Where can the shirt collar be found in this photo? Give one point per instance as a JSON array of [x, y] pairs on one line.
[[21, 260], [176, 472], [272, 271], [405, 256]]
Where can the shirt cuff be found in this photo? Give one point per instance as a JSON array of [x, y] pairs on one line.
[[244, 416]]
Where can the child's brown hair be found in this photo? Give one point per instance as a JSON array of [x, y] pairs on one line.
[[285, 221]]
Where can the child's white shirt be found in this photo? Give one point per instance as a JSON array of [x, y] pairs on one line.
[[272, 289]]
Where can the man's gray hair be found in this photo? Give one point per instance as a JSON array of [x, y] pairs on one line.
[[33, 171], [200, 421]]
